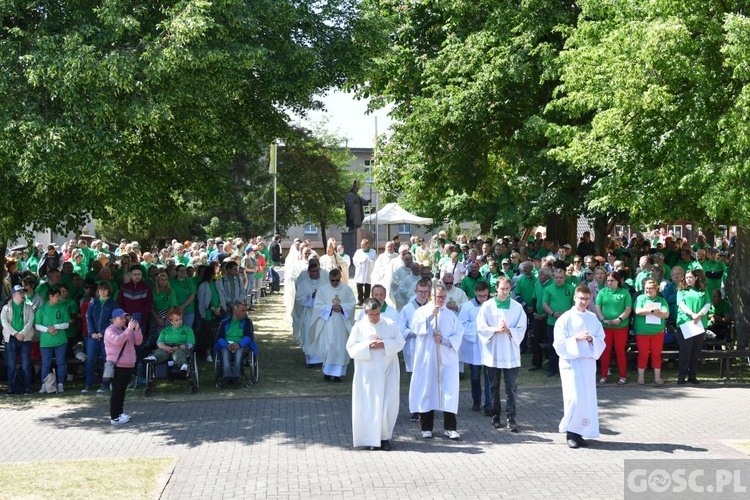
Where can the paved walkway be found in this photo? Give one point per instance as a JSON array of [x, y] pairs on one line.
[[301, 447]]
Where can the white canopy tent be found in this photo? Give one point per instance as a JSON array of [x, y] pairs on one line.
[[392, 213]]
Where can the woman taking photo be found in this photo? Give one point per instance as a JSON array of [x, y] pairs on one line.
[[693, 303], [613, 305], [120, 345], [651, 313]]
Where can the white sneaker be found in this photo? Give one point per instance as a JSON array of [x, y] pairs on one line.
[[209, 359], [102, 390], [452, 434], [150, 359], [60, 389], [184, 368], [426, 434], [122, 419], [85, 390], [43, 390]]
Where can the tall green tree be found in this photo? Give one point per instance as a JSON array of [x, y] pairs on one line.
[[469, 81], [655, 97], [135, 106]]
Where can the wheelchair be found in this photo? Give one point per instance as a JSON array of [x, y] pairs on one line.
[[249, 372], [168, 370]]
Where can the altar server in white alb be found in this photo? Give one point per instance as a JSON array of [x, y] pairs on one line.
[[434, 383], [334, 317], [386, 311], [579, 341], [471, 348], [501, 325], [374, 344]]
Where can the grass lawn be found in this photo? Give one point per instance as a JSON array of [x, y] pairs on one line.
[[136, 478]]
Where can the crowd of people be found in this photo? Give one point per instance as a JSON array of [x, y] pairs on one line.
[[477, 305], [449, 306], [110, 307]]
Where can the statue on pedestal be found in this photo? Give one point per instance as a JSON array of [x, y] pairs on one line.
[[354, 205]]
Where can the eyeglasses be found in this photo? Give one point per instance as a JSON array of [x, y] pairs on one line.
[[447, 282], [335, 281], [440, 297], [576, 261], [482, 295], [423, 292]]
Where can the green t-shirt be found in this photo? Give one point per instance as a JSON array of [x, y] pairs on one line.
[[723, 309], [72, 306], [49, 315], [613, 303], [689, 266], [182, 290], [469, 285], [638, 285], [525, 289], [164, 301], [172, 335], [539, 294], [234, 332], [695, 300], [17, 321], [715, 272], [558, 298], [641, 327]]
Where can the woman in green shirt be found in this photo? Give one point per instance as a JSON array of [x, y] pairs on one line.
[[613, 306], [651, 313], [693, 304], [52, 321]]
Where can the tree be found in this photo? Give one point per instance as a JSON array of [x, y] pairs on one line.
[[312, 179], [659, 93], [469, 81], [131, 106]]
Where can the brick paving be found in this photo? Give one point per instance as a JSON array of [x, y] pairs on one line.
[[298, 447]]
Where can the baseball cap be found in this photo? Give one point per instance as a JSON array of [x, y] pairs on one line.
[[17, 289], [118, 313]]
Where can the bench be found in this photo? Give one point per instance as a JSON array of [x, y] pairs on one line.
[[712, 349]]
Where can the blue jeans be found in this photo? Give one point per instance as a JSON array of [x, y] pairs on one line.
[[188, 318], [59, 354], [250, 285], [12, 349], [94, 349], [476, 385], [231, 362]]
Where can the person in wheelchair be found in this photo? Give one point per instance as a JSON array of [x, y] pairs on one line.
[[234, 339], [175, 342]]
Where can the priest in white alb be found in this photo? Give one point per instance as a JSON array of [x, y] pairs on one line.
[[333, 313], [579, 341], [434, 383], [406, 287], [305, 289], [374, 344]]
